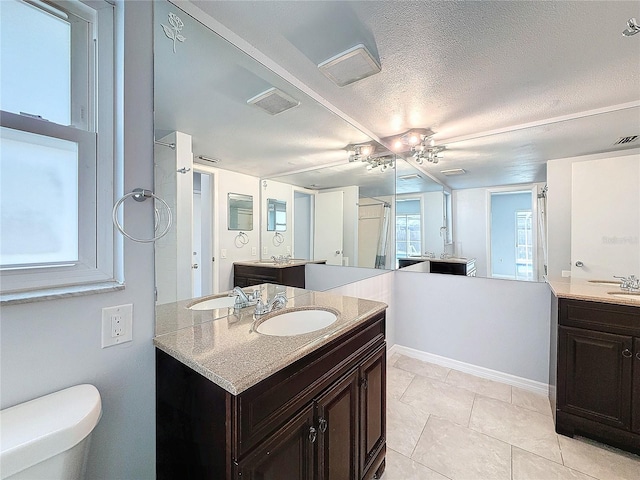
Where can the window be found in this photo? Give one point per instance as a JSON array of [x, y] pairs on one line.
[[56, 129], [408, 228], [524, 245]]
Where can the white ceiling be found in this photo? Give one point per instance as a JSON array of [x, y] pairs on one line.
[[505, 85]]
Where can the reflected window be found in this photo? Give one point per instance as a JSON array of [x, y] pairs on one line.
[[408, 228]]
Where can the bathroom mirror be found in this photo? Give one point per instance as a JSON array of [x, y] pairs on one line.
[[276, 215], [340, 214], [240, 211]]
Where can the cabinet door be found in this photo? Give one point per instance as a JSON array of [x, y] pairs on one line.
[[594, 375], [635, 405], [372, 407], [288, 453], [338, 430]]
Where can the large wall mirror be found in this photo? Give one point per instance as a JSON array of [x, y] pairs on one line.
[[217, 135]]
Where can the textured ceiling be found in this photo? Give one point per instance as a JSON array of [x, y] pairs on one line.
[[476, 73]]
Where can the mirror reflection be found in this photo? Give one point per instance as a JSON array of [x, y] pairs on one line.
[[276, 215], [240, 211]]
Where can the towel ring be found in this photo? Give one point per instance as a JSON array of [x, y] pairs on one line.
[[140, 195], [278, 239], [241, 239]]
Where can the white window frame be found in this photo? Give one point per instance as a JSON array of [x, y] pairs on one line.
[[91, 113]]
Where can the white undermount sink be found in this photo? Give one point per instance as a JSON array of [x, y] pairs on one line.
[[214, 303], [296, 322]]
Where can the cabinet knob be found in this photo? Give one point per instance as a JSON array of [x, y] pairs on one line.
[[313, 434], [627, 353], [322, 425]]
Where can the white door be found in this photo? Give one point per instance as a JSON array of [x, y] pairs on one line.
[[605, 218], [327, 243]]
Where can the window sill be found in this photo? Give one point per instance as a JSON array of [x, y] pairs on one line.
[[59, 292]]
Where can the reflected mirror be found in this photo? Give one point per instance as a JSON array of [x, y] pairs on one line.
[[276, 215], [240, 214]]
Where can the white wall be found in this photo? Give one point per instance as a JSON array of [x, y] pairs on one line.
[[231, 182], [559, 173], [496, 324], [283, 192], [322, 277], [470, 211], [50, 345]]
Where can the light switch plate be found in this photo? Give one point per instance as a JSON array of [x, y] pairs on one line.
[[254, 251], [223, 253], [117, 325]]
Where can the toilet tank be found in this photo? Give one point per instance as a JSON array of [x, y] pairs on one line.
[[49, 437]]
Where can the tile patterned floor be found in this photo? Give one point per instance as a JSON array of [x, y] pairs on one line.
[[443, 424]]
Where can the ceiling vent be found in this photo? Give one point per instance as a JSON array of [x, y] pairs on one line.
[[411, 176], [273, 101], [350, 66], [453, 171], [205, 159], [625, 140]]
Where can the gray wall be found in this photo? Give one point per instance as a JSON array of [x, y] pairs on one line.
[[497, 324], [50, 345]]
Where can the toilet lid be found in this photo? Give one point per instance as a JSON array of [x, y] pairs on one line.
[[39, 429]]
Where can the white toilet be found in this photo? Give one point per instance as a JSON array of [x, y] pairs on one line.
[[48, 438]]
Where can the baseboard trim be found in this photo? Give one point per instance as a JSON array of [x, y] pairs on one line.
[[513, 380]]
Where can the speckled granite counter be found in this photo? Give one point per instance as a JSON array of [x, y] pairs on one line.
[[227, 350], [271, 264], [579, 289]]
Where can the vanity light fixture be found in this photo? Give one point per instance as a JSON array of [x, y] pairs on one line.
[[367, 153], [426, 152], [406, 141], [632, 28]]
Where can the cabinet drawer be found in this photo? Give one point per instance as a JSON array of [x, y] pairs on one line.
[[602, 317], [267, 405]]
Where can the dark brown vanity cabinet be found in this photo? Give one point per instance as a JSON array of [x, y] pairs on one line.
[[320, 418], [598, 372], [250, 275]]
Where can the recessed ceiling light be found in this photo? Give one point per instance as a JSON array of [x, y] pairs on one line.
[[350, 66]]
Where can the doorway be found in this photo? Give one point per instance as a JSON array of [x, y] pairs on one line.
[[513, 235], [202, 235]]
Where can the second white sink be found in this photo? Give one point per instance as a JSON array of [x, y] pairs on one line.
[[296, 322], [213, 303]]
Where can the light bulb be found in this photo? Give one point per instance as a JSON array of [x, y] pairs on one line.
[[414, 139], [398, 144], [366, 150]]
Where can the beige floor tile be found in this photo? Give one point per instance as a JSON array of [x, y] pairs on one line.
[[400, 467], [391, 361], [462, 454], [397, 381], [518, 426], [440, 399], [527, 466], [531, 401], [404, 426], [425, 369], [483, 386], [597, 460]]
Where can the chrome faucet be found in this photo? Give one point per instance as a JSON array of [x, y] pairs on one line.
[[277, 302], [244, 300], [281, 259], [629, 283]]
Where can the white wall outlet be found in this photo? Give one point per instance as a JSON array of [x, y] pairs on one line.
[[254, 251], [566, 273], [223, 253], [265, 251], [289, 249], [117, 325]]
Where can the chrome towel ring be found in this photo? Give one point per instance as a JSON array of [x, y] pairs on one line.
[[140, 195]]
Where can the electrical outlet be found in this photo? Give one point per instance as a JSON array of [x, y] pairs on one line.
[[265, 251], [254, 251], [223, 253], [117, 325], [566, 273]]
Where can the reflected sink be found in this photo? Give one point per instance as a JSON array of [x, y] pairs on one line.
[[628, 295], [213, 303], [296, 322]]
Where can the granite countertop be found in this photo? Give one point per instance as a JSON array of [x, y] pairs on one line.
[[227, 350], [579, 289], [271, 264], [445, 260]]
